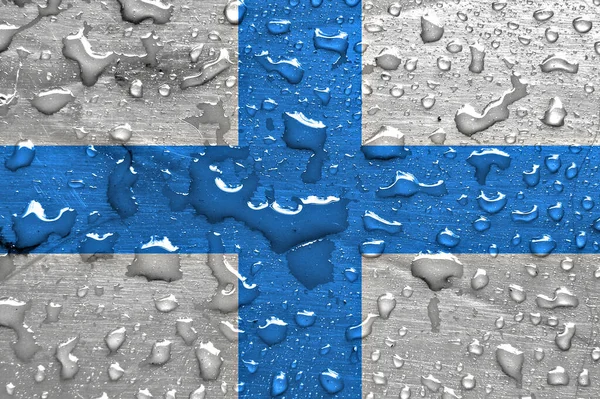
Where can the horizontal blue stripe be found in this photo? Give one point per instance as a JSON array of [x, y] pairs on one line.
[[66, 176]]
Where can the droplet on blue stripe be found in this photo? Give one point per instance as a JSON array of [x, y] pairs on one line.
[[407, 185], [290, 69], [450, 154], [305, 318], [542, 246], [516, 240], [587, 203], [558, 186], [493, 250], [251, 366], [273, 331], [525, 216], [251, 109], [336, 41], [581, 240], [448, 238], [372, 249], [484, 159], [91, 151], [572, 171], [352, 275], [324, 95], [331, 381], [482, 224], [532, 178], [325, 350], [279, 26], [279, 384], [553, 163], [269, 104], [33, 227], [22, 155], [492, 205], [76, 183], [95, 245], [556, 212], [374, 222]]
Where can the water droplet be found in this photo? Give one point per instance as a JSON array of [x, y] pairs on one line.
[[468, 121], [436, 269], [331, 382], [305, 318], [542, 246], [388, 59], [51, 101], [480, 279], [234, 11], [511, 360], [164, 90], [394, 9], [121, 133], [543, 14], [209, 70], [279, 384], [22, 156], [559, 63], [273, 331], [477, 58], [115, 339], [563, 339], [558, 376], [555, 114], [279, 26], [69, 363], [582, 24], [432, 28], [385, 304]]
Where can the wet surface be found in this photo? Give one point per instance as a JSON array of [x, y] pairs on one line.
[[406, 193]]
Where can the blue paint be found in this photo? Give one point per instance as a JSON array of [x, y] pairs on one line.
[[120, 183], [274, 331], [305, 318], [407, 185], [310, 263], [96, 244], [484, 160], [190, 194], [279, 26], [384, 152], [302, 133], [288, 68], [279, 384], [374, 222], [21, 157], [33, 227]]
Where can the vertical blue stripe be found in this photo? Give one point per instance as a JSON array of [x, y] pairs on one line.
[[306, 352]]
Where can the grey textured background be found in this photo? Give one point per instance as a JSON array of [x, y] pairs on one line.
[[154, 119], [458, 86], [467, 315], [126, 302]]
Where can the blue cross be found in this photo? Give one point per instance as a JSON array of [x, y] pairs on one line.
[[299, 201]]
